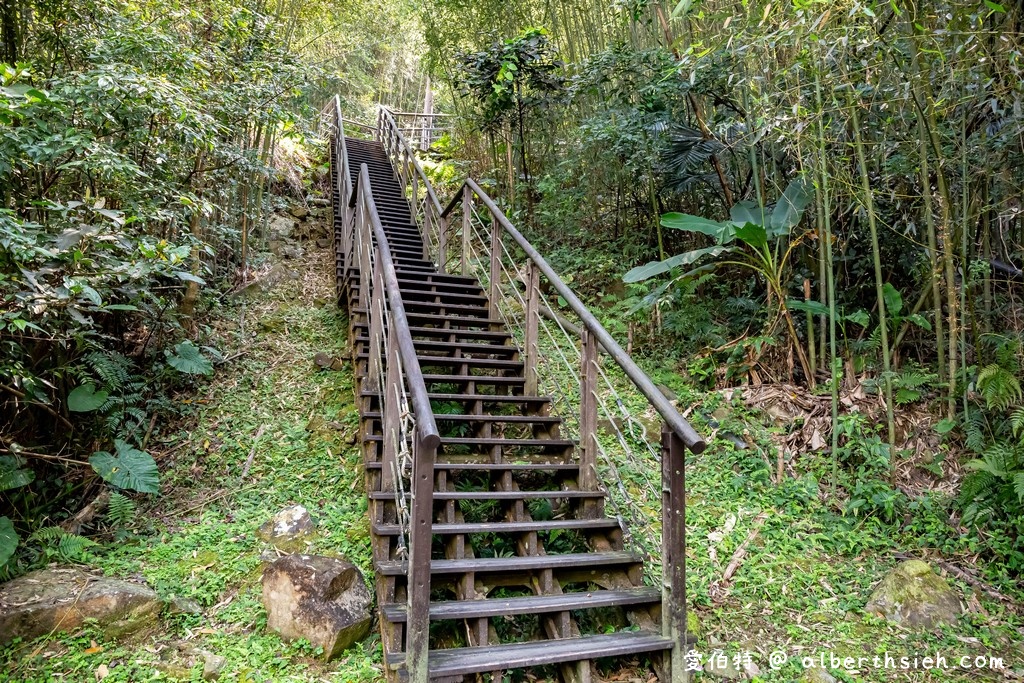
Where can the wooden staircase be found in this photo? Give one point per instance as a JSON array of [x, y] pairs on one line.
[[526, 571]]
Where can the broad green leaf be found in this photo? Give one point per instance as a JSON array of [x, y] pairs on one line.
[[649, 270], [945, 425], [995, 6], [753, 235], [682, 7], [11, 474], [893, 299], [689, 223], [790, 207], [92, 295], [187, 358], [747, 212], [85, 399], [120, 307], [8, 540], [920, 321], [813, 307], [859, 317], [182, 275], [129, 469]]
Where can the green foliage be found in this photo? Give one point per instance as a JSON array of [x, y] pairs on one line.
[[56, 545], [121, 510], [129, 469], [8, 540], [187, 358], [991, 496]]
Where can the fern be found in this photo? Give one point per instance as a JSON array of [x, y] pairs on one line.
[[112, 368], [999, 387], [121, 510], [58, 545]]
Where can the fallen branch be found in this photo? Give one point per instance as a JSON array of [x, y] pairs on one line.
[[719, 589], [73, 525], [252, 453]]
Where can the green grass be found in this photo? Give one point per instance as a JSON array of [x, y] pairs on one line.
[[198, 540]]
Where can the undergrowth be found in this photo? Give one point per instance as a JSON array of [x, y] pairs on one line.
[[198, 541]]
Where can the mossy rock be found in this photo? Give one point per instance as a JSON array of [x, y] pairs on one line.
[[914, 596]]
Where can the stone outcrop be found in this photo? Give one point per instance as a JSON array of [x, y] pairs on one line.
[[321, 599], [914, 596], [61, 599], [289, 529]]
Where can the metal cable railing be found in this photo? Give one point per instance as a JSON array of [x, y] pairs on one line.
[[409, 432], [503, 269]]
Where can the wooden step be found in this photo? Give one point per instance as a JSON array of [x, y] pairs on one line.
[[506, 527], [495, 466], [533, 604], [495, 495], [545, 420], [521, 564], [468, 660], [534, 401], [492, 441]]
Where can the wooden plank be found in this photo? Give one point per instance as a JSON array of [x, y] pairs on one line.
[[468, 660], [533, 604], [516, 564], [497, 495], [508, 527]]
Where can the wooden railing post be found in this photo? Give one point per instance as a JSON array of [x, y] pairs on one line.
[[442, 245], [417, 642], [495, 284], [391, 414], [673, 552], [375, 364], [532, 314], [363, 243], [588, 411], [467, 226]]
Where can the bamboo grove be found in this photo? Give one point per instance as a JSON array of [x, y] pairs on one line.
[[677, 131]]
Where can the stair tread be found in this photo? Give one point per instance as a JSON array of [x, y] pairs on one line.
[[507, 527], [496, 466], [490, 441], [499, 607], [495, 495], [468, 660], [519, 563], [518, 419]]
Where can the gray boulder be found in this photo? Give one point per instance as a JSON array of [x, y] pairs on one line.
[[289, 529], [321, 599], [914, 596], [61, 599], [281, 227], [816, 674]]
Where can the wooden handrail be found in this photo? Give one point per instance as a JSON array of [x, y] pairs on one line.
[[425, 423], [390, 122], [676, 422]]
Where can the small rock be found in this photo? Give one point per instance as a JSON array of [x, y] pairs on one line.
[[321, 599], [61, 599], [292, 251], [720, 665], [323, 360], [324, 243], [816, 674], [281, 227], [299, 212], [279, 273], [916, 597], [212, 666], [180, 605], [317, 201], [289, 529]]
